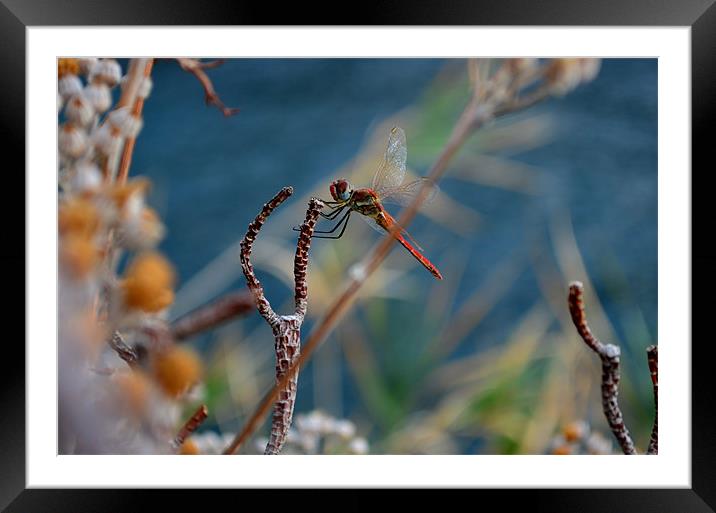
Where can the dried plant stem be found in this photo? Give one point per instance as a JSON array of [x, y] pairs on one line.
[[130, 89], [652, 353], [136, 112], [125, 352], [196, 68], [190, 426], [212, 314], [286, 328], [474, 116], [609, 354]]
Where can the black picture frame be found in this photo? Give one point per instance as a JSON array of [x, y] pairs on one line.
[[700, 15]]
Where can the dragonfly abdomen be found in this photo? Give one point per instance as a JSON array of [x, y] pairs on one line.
[[385, 221]]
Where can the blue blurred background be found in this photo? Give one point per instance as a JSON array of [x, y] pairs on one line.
[[580, 192]]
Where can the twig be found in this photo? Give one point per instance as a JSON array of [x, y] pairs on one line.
[[196, 68], [286, 328], [130, 89], [190, 426], [130, 141], [652, 353], [125, 352], [212, 314], [609, 354], [474, 116]]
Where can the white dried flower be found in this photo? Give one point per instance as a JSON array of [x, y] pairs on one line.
[[597, 444], [105, 140], [69, 85], [344, 428], [208, 442], [590, 69], [59, 102], [87, 64], [79, 110], [106, 71], [85, 176], [358, 446], [564, 75], [314, 422], [71, 141], [522, 65], [145, 88], [309, 443], [123, 119], [99, 95], [142, 230]]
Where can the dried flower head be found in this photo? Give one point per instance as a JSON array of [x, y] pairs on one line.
[[71, 141], [141, 228], [99, 96], [575, 431], [148, 283], [106, 139], [86, 64], [121, 194], [69, 85], [189, 447], [176, 370], [106, 71], [127, 123], [79, 110], [132, 392], [78, 255], [564, 75], [85, 176], [78, 216], [562, 450], [67, 67]]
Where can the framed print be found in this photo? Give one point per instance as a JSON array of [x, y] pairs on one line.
[[200, 279]]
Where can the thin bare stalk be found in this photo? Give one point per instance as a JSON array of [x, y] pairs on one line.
[[196, 68], [286, 328], [136, 112], [212, 314], [609, 354], [652, 353], [130, 90], [191, 425], [474, 116]]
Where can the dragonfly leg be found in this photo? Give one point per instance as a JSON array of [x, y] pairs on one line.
[[330, 216], [343, 221], [333, 214]]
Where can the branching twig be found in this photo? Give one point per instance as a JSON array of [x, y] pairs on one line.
[[212, 314], [652, 353], [474, 116], [196, 68], [190, 426], [125, 352], [609, 354], [286, 328]]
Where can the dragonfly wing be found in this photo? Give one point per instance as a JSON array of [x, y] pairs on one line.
[[371, 222], [391, 172], [404, 195]]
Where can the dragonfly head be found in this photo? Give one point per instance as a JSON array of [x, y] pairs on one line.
[[341, 190]]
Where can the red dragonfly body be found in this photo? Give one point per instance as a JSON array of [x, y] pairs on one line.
[[387, 187]]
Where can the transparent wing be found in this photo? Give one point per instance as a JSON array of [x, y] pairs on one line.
[[371, 222], [391, 172], [404, 194]]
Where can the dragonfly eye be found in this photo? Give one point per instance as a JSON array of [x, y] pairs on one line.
[[341, 190]]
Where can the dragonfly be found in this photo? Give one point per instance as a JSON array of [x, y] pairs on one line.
[[387, 187]]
